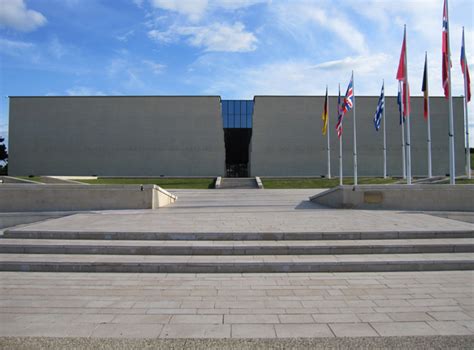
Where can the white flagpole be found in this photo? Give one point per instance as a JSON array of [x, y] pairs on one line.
[[430, 168], [407, 119], [466, 116], [452, 168], [328, 129], [384, 135], [404, 170], [355, 130], [340, 145]]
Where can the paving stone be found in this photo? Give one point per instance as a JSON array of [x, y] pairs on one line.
[[403, 328], [449, 328], [303, 318], [450, 316], [353, 330], [255, 318], [195, 331], [410, 316], [253, 331], [137, 330], [142, 319], [302, 330], [333, 318], [215, 319], [374, 317]]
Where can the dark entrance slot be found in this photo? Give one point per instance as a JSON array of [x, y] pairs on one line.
[[237, 144]]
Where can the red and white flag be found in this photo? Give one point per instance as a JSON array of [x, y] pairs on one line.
[[446, 64], [402, 76]]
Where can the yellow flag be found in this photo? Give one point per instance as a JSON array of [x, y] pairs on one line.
[[324, 116]]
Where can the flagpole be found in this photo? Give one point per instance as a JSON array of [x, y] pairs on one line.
[[407, 121], [404, 170], [466, 114], [355, 131], [452, 169], [328, 132], [384, 135], [430, 168], [340, 144]]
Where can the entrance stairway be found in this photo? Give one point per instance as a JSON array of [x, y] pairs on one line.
[[238, 183], [245, 252], [240, 231]]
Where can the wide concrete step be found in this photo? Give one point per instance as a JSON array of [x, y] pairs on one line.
[[128, 247], [236, 263], [238, 183], [236, 236]]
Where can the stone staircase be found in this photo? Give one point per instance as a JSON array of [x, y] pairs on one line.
[[238, 183], [73, 251]]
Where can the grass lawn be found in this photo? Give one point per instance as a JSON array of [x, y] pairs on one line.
[[320, 182], [191, 183], [32, 178], [464, 182]]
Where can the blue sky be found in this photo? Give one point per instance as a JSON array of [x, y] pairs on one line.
[[232, 48]]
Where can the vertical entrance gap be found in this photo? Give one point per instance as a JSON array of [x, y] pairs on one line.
[[237, 122]]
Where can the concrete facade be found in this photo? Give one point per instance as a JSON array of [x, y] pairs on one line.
[[119, 136], [183, 136], [287, 139]]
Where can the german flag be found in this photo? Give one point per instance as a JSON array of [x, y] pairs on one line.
[[324, 116]]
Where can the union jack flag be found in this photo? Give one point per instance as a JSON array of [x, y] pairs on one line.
[[348, 99], [340, 115]]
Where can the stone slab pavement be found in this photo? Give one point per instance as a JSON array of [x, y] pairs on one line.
[[278, 305], [224, 211]]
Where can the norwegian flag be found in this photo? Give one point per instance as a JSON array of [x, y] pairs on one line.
[[340, 115], [349, 98], [446, 64], [402, 76], [465, 69]]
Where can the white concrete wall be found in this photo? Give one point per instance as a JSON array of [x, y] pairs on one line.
[[26, 197], [287, 139], [116, 136], [400, 197]]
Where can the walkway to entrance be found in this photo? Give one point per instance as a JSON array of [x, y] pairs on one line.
[[239, 231]]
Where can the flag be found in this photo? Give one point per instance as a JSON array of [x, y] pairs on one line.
[[340, 115], [324, 116], [424, 88], [348, 98], [446, 64], [379, 111], [465, 69], [399, 102], [403, 76]]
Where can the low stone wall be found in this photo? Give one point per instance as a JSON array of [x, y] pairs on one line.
[[29, 197], [399, 197]]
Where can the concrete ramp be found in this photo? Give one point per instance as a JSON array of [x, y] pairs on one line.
[[399, 197]]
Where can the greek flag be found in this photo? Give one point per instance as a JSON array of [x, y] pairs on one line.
[[379, 112]]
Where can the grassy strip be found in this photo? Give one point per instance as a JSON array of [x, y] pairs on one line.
[[31, 178], [320, 182], [187, 183]]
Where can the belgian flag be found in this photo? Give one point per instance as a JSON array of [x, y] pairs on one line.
[[424, 88], [324, 116]]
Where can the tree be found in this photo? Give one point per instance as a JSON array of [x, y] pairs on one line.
[[3, 157]]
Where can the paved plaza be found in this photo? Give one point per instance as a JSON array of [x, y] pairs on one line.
[[243, 305]]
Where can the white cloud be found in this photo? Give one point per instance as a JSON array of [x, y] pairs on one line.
[[56, 49], [362, 64], [213, 37], [83, 91], [15, 48], [193, 9], [14, 14], [156, 68], [221, 37], [196, 10]]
